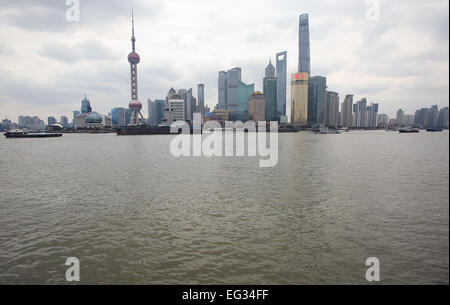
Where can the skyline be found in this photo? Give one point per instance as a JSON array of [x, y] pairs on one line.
[[50, 78]]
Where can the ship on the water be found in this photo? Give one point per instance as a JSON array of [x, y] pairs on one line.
[[143, 130], [23, 133], [409, 130], [134, 130], [434, 129]]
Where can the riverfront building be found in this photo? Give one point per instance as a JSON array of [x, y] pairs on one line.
[[281, 74], [347, 106], [201, 99], [257, 107], [244, 93], [299, 99], [51, 120], [151, 112], [317, 99], [118, 117], [332, 109], [174, 109], [160, 106], [270, 93], [64, 121], [233, 93]]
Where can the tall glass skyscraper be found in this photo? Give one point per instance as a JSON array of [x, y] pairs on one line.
[[160, 106], [304, 61], [118, 116], [85, 105], [201, 98], [299, 99], [222, 105], [281, 83], [233, 93], [270, 93], [151, 112], [234, 77], [317, 98], [244, 93]]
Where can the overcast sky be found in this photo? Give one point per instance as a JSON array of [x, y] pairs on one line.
[[47, 63]]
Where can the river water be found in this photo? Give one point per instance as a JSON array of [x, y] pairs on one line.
[[134, 214]]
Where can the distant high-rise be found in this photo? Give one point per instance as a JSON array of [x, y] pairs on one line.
[[382, 120], [400, 116], [127, 116], [75, 113], [151, 112], [222, 103], [347, 119], [299, 99], [257, 107], [174, 110], [360, 113], [244, 93], [85, 105], [372, 116], [160, 106], [234, 77], [281, 73], [51, 120], [443, 121], [317, 98], [270, 93], [433, 115], [232, 90], [201, 98], [304, 61], [118, 117], [332, 109], [64, 121], [189, 103]]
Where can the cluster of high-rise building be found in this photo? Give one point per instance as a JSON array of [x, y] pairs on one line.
[[238, 98], [311, 103], [87, 118], [432, 117], [31, 123]]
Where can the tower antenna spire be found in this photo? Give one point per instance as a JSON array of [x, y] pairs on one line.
[[133, 39]]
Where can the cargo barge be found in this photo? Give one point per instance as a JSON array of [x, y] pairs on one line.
[[19, 133], [143, 130]]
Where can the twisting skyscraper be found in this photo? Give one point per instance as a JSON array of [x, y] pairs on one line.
[[133, 58], [304, 61]]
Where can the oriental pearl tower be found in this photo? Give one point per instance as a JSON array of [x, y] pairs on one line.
[[133, 58]]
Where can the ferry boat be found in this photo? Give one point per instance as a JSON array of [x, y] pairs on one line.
[[144, 130], [434, 130], [326, 130], [408, 130], [23, 133]]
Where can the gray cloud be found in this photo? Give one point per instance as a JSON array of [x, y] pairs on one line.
[[92, 50]]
